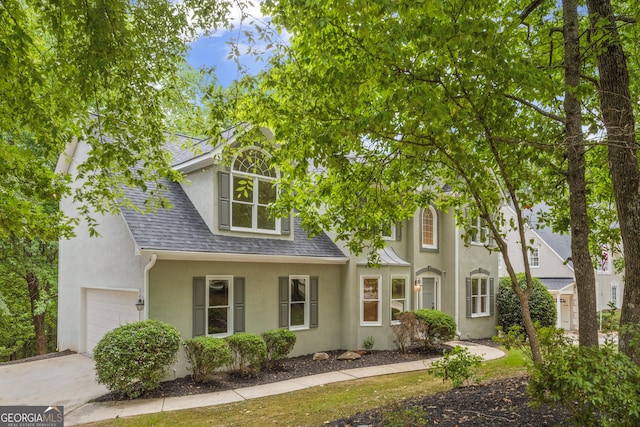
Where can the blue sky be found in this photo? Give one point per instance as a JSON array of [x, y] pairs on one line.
[[213, 50]]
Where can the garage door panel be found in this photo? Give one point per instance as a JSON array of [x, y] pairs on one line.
[[107, 309]]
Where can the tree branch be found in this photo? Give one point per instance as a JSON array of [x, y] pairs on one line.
[[536, 108]]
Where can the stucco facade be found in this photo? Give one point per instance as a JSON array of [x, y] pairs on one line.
[[168, 259]]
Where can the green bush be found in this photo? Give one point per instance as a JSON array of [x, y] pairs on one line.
[[600, 386], [248, 352], [133, 358], [279, 344], [206, 355], [457, 365], [438, 327], [541, 304], [368, 343]]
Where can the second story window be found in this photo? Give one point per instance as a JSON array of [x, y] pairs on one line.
[[429, 228], [534, 257], [479, 231], [253, 188]]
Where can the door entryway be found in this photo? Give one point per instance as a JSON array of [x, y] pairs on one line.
[[429, 294]]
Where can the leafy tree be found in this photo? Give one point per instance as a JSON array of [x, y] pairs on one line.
[[97, 71]]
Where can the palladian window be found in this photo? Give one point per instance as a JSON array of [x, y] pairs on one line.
[[253, 188]]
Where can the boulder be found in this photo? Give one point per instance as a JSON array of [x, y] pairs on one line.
[[349, 355], [320, 356]]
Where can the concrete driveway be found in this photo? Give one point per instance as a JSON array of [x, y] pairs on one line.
[[65, 380]]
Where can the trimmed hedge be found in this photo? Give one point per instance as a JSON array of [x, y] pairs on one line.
[[248, 352], [541, 304], [133, 358], [279, 344], [206, 355], [438, 327]]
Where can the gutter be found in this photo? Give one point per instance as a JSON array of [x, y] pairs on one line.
[[456, 278], [145, 294], [238, 257]]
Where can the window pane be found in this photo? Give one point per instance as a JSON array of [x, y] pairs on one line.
[[483, 304], [264, 222], [427, 228], [370, 311], [242, 189], [241, 215], [266, 192], [397, 307], [218, 292], [298, 290], [370, 289], [397, 288], [218, 321], [474, 286], [297, 314], [483, 287]]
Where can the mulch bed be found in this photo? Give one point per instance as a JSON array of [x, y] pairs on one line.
[[498, 403], [294, 367]]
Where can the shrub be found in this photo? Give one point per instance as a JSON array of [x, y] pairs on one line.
[[600, 386], [206, 355], [248, 352], [133, 358], [368, 343], [279, 344], [541, 304], [457, 365], [438, 327], [406, 330]]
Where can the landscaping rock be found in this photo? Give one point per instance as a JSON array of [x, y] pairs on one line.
[[349, 355], [320, 356]]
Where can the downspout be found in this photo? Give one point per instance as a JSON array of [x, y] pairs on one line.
[[456, 278], [147, 267]]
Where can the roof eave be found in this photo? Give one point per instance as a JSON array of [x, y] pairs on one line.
[[236, 257]]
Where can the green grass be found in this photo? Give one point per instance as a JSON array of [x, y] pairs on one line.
[[316, 405]]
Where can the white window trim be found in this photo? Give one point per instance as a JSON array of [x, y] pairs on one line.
[[362, 300], [254, 203], [405, 299], [230, 312], [391, 237], [530, 257], [614, 293], [488, 294], [307, 289], [476, 224], [434, 215]]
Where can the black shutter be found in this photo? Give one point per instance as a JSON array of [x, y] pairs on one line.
[[224, 207], [199, 306], [284, 302], [469, 299], [238, 304], [313, 309], [491, 296], [399, 230]]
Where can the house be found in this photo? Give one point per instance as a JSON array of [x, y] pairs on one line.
[[549, 259], [217, 264]]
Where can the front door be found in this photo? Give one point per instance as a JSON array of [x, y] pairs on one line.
[[429, 293]]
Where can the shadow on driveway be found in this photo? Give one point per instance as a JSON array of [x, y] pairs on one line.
[[68, 381]]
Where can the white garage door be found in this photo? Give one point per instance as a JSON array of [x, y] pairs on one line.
[[107, 309]]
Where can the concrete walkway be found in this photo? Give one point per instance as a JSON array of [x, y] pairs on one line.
[[91, 412]]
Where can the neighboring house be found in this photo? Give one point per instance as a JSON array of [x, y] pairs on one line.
[[549, 258], [217, 264]]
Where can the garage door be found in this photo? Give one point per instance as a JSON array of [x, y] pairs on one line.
[[107, 309]]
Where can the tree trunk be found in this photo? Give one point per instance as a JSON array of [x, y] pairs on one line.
[[38, 319], [617, 114], [583, 267]]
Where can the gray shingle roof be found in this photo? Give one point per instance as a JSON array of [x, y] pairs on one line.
[[556, 283], [181, 229], [560, 243]]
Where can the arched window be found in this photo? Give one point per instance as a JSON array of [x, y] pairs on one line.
[[429, 228], [253, 188]]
